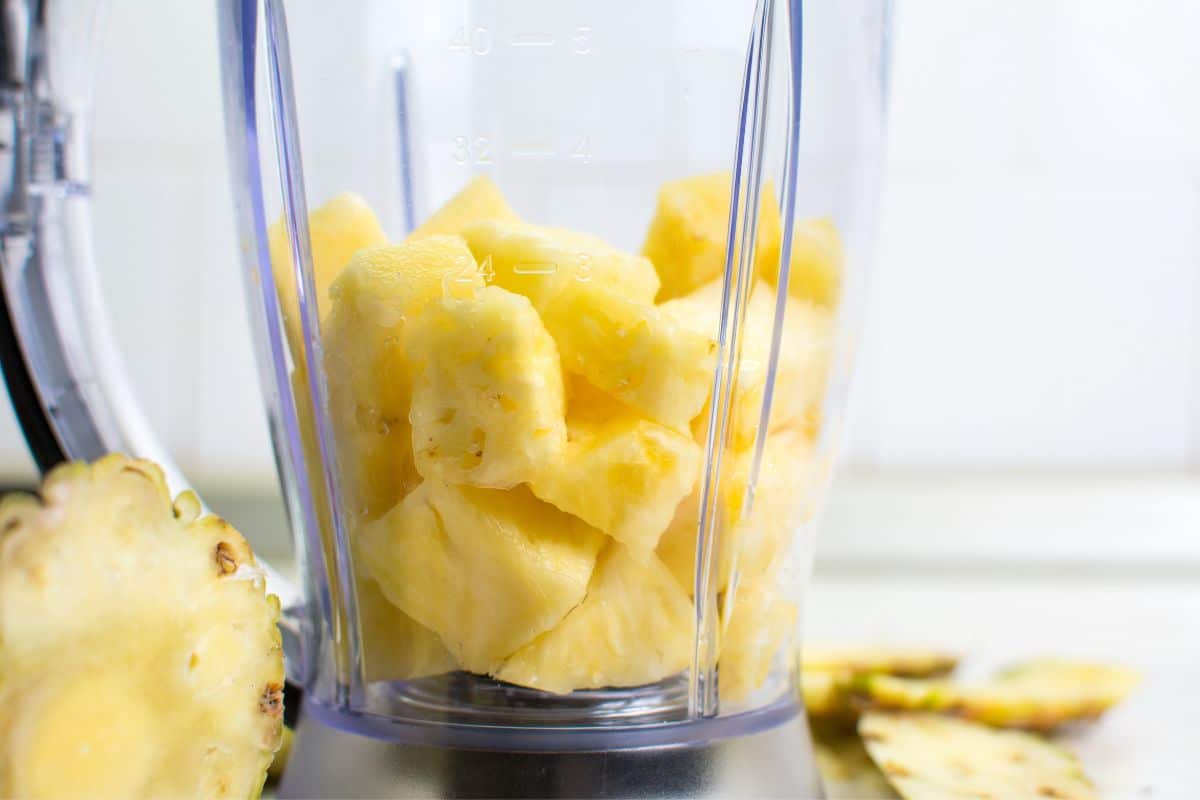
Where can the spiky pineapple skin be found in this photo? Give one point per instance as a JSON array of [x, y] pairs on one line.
[[139, 653]]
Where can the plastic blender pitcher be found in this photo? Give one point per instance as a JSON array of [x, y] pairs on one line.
[[554, 305]]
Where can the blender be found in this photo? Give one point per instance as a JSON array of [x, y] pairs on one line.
[[554, 305]]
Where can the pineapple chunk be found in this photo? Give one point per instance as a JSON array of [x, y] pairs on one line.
[[633, 351], [816, 264], [540, 262], [478, 200], [633, 628], [621, 473], [801, 371], [336, 231], [395, 646], [487, 407], [686, 239], [139, 652], [370, 378], [761, 622], [488, 571], [782, 500]]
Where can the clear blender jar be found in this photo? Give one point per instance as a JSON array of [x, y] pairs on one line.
[[554, 306]]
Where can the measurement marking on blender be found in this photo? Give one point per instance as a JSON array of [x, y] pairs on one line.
[[533, 150], [532, 39], [535, 268]]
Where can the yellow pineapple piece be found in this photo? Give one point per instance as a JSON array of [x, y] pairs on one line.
[[761, 623], [634, 352], [336, 230], [395, 646], [375, 301], [686, 239], [539, 262], [802, 368], [782, 500], [488, 406], [139, 652], [479, 200], [634, 627], [816, 265], [620, 473], [486, 570]]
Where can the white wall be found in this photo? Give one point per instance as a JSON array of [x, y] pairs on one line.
[[1037, 294]]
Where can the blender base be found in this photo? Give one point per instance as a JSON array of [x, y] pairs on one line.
[[773, 763]]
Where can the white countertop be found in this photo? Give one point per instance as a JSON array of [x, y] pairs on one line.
[[1147, 748]]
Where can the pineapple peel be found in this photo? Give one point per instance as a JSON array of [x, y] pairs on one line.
[[137, 643]]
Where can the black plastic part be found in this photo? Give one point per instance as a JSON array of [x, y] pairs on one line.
[[33, 418]]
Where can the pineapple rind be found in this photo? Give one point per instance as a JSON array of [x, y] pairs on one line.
[[928, 756], [139, 653]]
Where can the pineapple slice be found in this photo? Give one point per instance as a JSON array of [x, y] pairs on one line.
[[395, 646], [634, 352], [1041, 695], [782, 500], [686, 239], [761, 622], [336, 231], [540, 262], [621, 473], [816, 265], [804, 353], [139, 653], [487, 570], [375, 301], [633, 628], [487, 407], [479, 200], [931, 757]]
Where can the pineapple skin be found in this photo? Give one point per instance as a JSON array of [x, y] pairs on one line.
[[487, 570], [139, 653], [634, 627], [336, 230], [488, 403]]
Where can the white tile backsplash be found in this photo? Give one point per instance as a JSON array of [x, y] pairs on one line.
[[1037, 297]]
